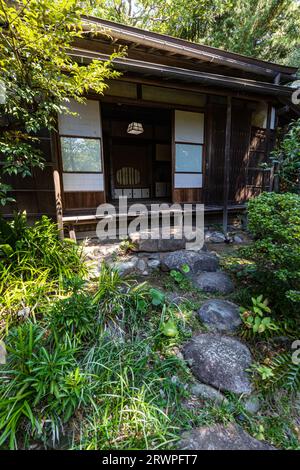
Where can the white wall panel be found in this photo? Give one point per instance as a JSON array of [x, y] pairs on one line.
[[188, 180], [86, 123], [189, 127], [83, 182]]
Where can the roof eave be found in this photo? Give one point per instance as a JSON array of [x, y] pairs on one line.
[[180, 46]]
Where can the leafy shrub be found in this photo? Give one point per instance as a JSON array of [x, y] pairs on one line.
[[180, 276], [287, 159], [274, 221], [39, 246], [41, 385], [256, 319]]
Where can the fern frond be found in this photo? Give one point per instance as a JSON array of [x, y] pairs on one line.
[[285, 372]]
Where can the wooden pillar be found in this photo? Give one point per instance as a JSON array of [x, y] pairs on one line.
[[227, 163], [58, 204], [272, 180]]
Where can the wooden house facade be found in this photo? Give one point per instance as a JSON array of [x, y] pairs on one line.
[[184, 123]]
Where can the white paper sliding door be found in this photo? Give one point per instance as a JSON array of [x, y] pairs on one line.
[[80, 138], [188, 149]]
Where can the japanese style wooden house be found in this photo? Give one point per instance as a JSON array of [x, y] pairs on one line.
[[183, 123]]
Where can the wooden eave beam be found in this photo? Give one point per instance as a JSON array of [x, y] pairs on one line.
[[142, 67]]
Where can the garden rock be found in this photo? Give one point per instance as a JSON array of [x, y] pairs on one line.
[[220, 361], [208, 393], [214, 282], [153, 263], [220, 437], [220, 315], [141, 265], [252, 404], [125, 267], [197, 262], [215, 237], [238, 239]]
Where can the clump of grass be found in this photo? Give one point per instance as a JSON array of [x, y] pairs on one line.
[[34, 262], [138, 399], [41, 387]]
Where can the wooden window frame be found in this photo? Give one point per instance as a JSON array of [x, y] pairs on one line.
[[189, 172], [81, 137]]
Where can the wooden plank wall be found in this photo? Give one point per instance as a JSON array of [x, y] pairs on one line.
[[239, 154], [250, 147], [214, 175], [35, 194]]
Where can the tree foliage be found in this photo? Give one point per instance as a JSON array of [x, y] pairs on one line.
[[286, 159], [39, 76]]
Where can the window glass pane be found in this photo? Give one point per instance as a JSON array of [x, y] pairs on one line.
[[189, 158], [79, 154]]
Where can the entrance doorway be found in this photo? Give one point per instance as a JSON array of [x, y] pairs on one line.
[[138, 166]]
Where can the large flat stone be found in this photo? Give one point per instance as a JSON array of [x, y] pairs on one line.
[[220, 361], [220, 315], [158, 240], [214, 282], [220, 437], [153, 241], [197, 261]]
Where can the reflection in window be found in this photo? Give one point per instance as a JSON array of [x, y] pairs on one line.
[[189, 158], [80, 154]]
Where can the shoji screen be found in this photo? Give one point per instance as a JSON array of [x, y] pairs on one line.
[[81, 152], [189, 141]]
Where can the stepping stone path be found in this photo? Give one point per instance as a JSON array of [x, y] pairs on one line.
[[220, 361], [197, 261], [220, 437], [220, 315], [214, 282]]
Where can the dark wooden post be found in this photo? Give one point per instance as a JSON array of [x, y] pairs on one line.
[[227, 163], [58, 204], [273, 180]]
